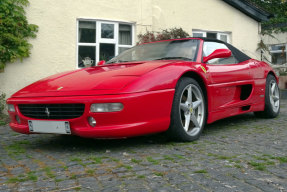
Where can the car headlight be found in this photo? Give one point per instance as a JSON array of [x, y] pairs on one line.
[[11, 108], [106, 107]]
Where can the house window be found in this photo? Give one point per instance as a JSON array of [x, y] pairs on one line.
[[278, 54], [102, 40], [223, 36]]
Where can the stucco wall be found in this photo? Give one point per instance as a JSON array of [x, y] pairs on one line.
[[275, 38], [212, 15], [54, 49]]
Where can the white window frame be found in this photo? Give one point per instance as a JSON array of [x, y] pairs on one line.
[[100, 40], [99, 30], [218, 33]]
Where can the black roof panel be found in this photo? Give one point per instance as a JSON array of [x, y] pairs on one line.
[[239, 55]]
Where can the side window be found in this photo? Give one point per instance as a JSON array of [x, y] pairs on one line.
[[209, 47]]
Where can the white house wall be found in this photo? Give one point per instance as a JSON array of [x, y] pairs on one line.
[[212, 15], [54, 49], [275, 38]]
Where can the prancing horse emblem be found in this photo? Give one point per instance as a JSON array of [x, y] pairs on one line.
[[47, 112]]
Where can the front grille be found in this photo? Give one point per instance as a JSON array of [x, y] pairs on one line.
[[52, 111]]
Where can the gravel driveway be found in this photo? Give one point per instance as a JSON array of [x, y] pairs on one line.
[[242, 153]]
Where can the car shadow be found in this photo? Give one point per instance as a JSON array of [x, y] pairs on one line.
[[224, 124], [62, 143], [74, 143]]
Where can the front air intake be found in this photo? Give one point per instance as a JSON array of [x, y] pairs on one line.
[[52, 111]]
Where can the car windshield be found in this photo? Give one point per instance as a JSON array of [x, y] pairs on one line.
[[165, 50]]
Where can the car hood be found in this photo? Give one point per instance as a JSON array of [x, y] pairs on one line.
[[106, 79]]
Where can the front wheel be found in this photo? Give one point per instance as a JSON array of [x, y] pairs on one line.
[[188, 113], [272, 99]]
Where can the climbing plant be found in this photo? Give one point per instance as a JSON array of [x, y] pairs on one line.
[[14, 31]]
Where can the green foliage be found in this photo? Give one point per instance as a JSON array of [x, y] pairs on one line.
[[14, 31], [282, 73], [279, 9], [257, 165], [3, 117], [2, 102], [30, 176], [201, 171], [282, 159], [173, 33]]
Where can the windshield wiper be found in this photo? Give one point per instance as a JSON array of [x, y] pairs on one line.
[[168, 58]]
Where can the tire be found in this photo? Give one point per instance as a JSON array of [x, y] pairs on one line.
[[272, 99], [189, 111]]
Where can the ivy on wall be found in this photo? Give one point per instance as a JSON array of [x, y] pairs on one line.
[[14, 31]]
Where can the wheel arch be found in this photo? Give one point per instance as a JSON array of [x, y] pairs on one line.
[[198, 78], [273, 74]]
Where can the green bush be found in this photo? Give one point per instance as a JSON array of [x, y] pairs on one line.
[[173, 33], [282, 73], [2, 102], [14, 31]]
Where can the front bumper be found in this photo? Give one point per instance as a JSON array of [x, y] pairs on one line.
[[143, 113]]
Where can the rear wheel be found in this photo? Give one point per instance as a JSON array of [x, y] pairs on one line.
[[272, 99], [188, 113]]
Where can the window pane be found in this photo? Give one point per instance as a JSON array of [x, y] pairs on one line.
[[210, 47], [279, 58], [197, 34], [122, 49], [211, 35], [107, 31], [87, 56], [178, 49], [278, 47], [107, 51], [125, 34], [223, 37], [87, 32]]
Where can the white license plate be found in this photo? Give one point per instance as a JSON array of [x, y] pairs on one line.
[[60, 127]]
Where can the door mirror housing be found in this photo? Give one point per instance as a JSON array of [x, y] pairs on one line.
[[218, 53], [102, 62]]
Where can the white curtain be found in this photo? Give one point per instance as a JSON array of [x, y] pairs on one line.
[[125, 35]]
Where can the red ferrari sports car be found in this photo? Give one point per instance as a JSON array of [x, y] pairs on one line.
[[175, 86]]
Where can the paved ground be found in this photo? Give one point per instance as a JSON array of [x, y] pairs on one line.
[[242, 153]]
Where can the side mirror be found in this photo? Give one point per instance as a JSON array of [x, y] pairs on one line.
[[102, 62], [218, 53]]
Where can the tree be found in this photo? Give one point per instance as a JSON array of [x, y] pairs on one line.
[[14, 31], [278, 8]]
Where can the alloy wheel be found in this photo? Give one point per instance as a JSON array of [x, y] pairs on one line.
[[191, 110], [274, 95]]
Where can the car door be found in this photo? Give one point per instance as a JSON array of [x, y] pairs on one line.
[[230, 81]]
